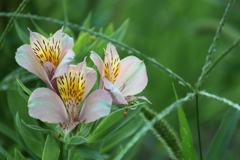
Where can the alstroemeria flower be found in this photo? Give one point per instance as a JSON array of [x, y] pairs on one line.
[[46, 58], [122, 79], [73, 87]]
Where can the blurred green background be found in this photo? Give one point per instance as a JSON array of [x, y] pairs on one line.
[[175, 33]]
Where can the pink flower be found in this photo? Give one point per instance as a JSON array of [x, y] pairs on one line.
[[73, 87], [122, 79], [46, 58]]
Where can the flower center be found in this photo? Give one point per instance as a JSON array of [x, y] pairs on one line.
[[48, 50], [71, 87], [111, 66]]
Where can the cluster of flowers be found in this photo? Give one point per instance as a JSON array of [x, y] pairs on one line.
[[69, 85]]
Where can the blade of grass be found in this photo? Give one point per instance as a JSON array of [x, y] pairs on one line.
[[10, 23], [189, 151], [212, 48]]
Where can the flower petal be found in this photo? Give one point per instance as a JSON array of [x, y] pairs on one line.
[[98, 62], [132, 78], [97, 105], [91, 78], [27, 60], [47, 106], [63, 65], [117, 96], [67, 43], [132, 98]]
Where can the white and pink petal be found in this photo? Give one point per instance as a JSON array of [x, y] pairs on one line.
[[97, 105], [46, 105]]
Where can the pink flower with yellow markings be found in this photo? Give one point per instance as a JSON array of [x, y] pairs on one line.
[[46, 58], [123, 79], [73, 87]]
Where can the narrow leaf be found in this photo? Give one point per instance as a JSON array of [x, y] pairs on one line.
[[111, 123], [34, 145], [18, 155], [21, 34], [87, 152], [224, 134], [74, 141], [189, 151], [51, 150], [123, 133], [24, 88]]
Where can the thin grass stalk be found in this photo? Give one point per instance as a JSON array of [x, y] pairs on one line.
[[212, 48], [10, 23], [224, 53]]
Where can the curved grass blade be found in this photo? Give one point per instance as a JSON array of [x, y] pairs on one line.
[[9, 25], [223, 136], [189, 151]]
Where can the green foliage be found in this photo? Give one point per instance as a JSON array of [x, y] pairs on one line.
[[87, 152], [74, 141], [18, 155], [185, 132], [111, 123], [29, 139], [51, 150], [224, 134]]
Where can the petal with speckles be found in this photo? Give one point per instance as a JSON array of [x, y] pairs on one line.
[[27, 60]]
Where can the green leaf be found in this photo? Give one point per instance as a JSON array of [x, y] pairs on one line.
[[39, 30], [74, 141], [51, 150], [109, 29], [40, 129], [87, 21], [7, 131], [32, 143], [4, 153], [17, 104], [24, 88], [223, 136], [122, 133], [112, 122], [21, 34], [189, 151], [18, 155], [87, 152], [121, 31]]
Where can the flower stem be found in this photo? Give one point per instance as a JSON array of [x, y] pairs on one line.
[[198, 126], [70, 154]]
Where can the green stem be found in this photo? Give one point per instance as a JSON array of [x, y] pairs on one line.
[[228, 50], [9, 25], [70, 154], [198, 126], [215, 41]]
